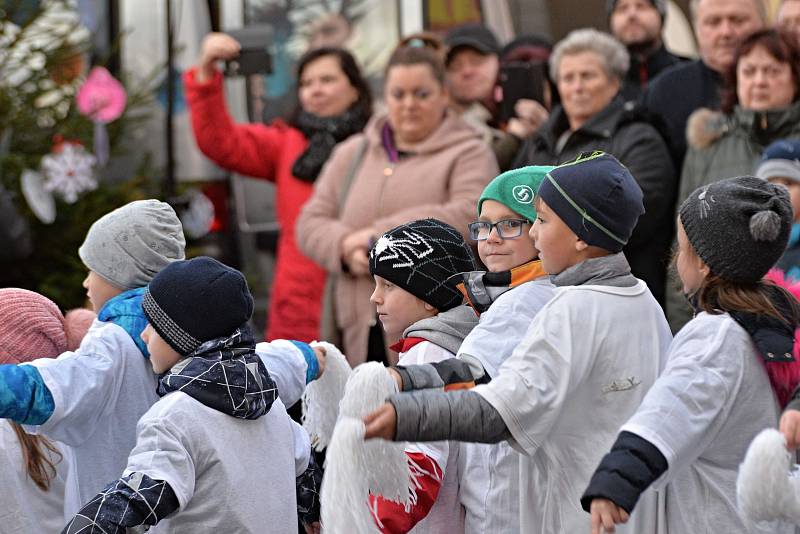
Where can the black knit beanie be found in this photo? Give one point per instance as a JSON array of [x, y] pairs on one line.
[[420, 257], [597, 197], [194, 301], [739, 227], [660, 5]]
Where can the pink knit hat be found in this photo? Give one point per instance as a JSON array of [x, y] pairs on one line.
[[31, 326]]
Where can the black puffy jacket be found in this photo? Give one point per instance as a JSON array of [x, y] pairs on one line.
[[622, 129]]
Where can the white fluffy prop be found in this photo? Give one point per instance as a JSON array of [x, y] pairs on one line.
[[321, 397], [354, 468], [768, 489]]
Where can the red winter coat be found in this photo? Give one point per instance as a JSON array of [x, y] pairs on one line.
[[265, 151]]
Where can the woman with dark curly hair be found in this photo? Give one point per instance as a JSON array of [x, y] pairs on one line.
[[334, 102], [759, 105]]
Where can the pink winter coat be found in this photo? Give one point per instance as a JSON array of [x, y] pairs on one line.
[[442, 179]]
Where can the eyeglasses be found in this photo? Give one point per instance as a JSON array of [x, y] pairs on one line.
[[507, 228]]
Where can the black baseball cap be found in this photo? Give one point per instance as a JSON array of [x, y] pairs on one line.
[[475, 36]]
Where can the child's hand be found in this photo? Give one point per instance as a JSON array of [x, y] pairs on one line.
[[382, 423], [790, 428], [606, 514], [313, 528], [320, 352]]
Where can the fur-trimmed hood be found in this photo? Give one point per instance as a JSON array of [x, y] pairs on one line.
[[706, 126]]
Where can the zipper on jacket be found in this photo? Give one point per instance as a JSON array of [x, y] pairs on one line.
[[388, 172]]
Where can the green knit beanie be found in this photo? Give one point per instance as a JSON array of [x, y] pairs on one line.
[[516, 189]]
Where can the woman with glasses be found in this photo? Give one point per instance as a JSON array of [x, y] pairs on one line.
[[416, 160]]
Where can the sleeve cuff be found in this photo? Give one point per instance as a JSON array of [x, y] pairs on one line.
[[312, 371]]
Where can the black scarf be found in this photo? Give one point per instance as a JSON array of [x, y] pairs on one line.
[[323, 133], [224, 374]]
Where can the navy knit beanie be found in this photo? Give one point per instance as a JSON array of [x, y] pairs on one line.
[[597, 197], [420, 257], [194, 301], [739, 227]]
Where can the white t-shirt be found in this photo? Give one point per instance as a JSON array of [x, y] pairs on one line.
[[580, 372], [24, 507], [100, 391], [230, 475], [712, 399], [287, 366], [446, 514], [489, 473]]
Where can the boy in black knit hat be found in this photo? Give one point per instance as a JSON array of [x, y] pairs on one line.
[[217, 452], [423, 311], [582, 368]]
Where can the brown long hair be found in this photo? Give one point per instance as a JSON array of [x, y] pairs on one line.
[[716, 295], [780, 44], [40, 467]]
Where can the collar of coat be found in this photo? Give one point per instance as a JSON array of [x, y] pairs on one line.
[[603, 125], [224, 374], [706, 126], [481, 288]]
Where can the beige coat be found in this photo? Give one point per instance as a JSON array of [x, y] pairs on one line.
[[442, 179]]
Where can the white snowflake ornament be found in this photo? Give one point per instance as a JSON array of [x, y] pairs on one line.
[[69, 172]]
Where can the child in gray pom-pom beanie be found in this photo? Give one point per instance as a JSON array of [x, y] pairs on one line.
[[91, 399], [727, 372]]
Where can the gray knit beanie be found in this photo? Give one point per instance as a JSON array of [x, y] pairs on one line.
[[130, 245], [739, 227]]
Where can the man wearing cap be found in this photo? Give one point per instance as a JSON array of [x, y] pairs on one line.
[[638, 24], [473, 65], [719, 26]]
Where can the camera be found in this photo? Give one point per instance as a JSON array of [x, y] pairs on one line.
[[254, 57]]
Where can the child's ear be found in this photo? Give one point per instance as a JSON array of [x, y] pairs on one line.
[[430, 308], [580, 244], [705, 270]]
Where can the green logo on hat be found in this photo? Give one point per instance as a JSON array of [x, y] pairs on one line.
[[523, 194]]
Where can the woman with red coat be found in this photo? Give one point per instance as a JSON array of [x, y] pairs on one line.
[[334, 102]]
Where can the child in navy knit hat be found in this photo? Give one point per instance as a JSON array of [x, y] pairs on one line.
[[780, 164], [585, 362], [218, 451]]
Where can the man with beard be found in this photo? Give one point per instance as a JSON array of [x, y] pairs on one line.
[[719, 25], [637, 24]]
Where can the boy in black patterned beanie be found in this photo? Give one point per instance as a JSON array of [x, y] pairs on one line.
[[417, 304], [417, 258]]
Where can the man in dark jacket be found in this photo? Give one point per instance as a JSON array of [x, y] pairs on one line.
[[719, 25], [638, 25]]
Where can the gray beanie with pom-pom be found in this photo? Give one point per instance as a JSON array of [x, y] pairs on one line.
[[739, 227]]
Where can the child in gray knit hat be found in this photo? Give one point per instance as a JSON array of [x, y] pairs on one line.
[[727, 371], [91, 400]]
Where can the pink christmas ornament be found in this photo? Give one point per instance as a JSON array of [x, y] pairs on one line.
[[101, 97]]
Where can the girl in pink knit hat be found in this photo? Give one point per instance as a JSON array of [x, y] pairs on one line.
[[33, 468]]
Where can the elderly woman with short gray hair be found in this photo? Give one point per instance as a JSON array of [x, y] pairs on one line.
[[588, 67]]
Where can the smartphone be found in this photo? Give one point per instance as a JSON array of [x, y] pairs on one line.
[[521, 80], [254, 57]]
